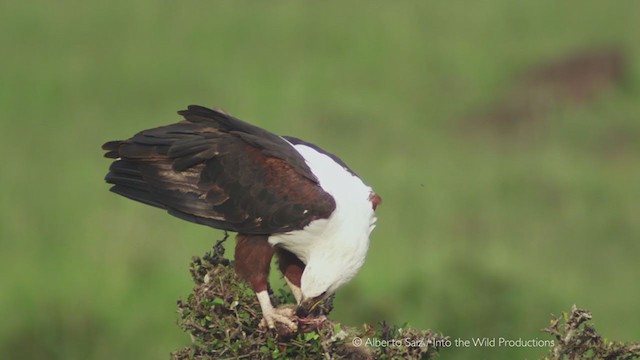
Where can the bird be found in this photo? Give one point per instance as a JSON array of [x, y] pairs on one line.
[[283, 196]]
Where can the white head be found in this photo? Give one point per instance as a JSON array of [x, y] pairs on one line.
[[324, 273], [337, 258], [334, 261], [334, 249]]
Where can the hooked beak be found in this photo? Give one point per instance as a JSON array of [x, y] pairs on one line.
[[311, 306]]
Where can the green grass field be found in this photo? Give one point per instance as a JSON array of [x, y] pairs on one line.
[[481, 234]]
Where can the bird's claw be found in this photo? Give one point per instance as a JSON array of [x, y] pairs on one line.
[[283, 315]]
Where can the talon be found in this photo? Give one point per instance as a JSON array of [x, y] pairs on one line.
[[281, 315], [270, 316]]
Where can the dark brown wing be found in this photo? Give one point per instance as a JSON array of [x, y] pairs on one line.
[[219, 171]]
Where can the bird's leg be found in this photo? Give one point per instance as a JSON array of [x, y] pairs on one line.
[[292, 268], [272, 315], [253, 259], [295, 290]]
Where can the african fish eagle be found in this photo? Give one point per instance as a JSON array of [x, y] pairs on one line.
[[280, 194]]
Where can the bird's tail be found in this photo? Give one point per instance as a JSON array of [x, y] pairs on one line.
[[111, 148], [126, 177]]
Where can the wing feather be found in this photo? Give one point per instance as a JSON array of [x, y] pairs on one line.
[[216, 170]]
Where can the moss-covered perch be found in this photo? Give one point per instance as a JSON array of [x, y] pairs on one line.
[[222, 316], [576, 339]]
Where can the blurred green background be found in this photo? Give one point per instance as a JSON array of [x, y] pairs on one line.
[[489, 223]]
